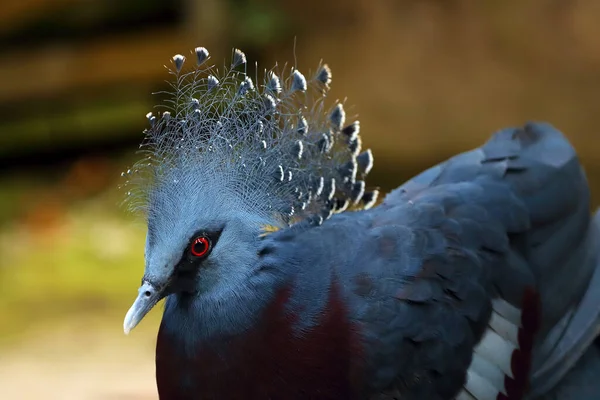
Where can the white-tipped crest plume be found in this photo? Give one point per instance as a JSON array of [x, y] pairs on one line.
[[272, 145]]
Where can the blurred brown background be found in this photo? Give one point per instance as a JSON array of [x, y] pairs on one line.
[[428, 79]]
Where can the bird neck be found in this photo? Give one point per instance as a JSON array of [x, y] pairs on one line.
[[268, 358]]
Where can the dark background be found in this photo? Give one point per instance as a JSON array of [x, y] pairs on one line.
[[427, 78]]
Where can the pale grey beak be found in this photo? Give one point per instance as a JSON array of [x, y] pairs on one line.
[[147, 298]]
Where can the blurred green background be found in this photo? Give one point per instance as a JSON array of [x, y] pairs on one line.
[[427, 78]]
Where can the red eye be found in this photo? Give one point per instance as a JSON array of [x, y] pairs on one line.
[[200, 246]]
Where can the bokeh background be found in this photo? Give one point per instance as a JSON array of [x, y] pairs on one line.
[[428, 78]]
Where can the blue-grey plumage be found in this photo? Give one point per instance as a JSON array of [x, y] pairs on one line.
[[277, 286]]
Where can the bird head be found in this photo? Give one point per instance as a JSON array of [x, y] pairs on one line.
[[227, 160]]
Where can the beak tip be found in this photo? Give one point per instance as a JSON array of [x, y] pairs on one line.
[[128, 321]]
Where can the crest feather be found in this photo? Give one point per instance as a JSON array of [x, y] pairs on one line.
[[272, 143]]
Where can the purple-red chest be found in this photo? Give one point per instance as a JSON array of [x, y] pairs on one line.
[[269, 361]]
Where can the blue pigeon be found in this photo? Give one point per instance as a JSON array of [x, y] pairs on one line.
[[477, 279]]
